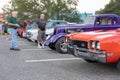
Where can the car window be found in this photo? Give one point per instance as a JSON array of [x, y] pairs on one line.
[[89, 20], [115, 21], [53, 24], [104, 21], [49, 25]]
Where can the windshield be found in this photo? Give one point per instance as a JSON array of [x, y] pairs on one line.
[[89, 20], [53, 24], [49, 24]]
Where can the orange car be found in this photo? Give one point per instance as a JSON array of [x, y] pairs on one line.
[[96, 46]]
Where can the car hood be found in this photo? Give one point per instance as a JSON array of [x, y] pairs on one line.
[[86, 36], [74, 26]]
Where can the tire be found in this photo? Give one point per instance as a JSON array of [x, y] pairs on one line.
[[118, 65], [90, 61], [51, 46], [59, 46], [29, 40]]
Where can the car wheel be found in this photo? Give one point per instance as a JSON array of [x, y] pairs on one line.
[[90, 61], [118, 65], [51, 46], [60, 47], [29, 40]]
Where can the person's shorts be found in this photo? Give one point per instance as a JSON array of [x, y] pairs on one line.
[[41, 36]]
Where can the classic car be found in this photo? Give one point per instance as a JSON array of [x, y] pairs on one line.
[[21, 32], [71, 39], [97, 46], [96, 22], [32, 34]]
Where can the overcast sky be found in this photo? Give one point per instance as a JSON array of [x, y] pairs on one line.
[[91, 5], [83, 5]]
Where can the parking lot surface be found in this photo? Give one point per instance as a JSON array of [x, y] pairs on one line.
[[32, 63]]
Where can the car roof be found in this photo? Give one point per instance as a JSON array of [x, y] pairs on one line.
[[58, 21], [105, 15]]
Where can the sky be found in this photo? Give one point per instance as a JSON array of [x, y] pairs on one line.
[[2, 3], [89, 6]]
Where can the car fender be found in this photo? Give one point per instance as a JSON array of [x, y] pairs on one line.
[[58, 36], [34, 34]]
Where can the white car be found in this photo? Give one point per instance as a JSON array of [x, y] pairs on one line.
[[32, 34]]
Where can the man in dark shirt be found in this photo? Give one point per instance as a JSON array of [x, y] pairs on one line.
[[41, 31], [13, 25]]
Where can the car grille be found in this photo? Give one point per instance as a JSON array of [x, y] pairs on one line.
[[78, 43]]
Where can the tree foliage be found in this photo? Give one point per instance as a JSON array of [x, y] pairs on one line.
[[53, 9], [113, 7]]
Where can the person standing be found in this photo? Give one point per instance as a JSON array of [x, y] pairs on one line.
[[13, 25], [41, 31], [1, 26]]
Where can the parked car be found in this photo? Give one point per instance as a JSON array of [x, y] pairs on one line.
[[21, 32], [96, 22], [32, 34], [56, 39], [73, 39], [97, 46]]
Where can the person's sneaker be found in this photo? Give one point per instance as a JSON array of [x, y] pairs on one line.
[[43, 46], [11, 48], [16, 49], [39, 46]]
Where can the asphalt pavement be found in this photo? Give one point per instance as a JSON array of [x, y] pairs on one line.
[[32, 63]]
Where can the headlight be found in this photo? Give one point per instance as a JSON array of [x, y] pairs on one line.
[[92, 44], [98, 45]]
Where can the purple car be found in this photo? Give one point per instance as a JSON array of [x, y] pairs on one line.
[[98, 22]]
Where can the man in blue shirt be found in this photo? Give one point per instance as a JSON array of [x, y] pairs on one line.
[[41, 31]]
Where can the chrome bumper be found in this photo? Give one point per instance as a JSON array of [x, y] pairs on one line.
[[99, 56]]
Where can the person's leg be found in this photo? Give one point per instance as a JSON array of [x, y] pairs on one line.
[[15, 39], [43, 38], [14, 45], [38, 39], [12, 38], [1, 32]]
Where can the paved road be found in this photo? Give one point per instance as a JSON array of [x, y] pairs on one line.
[[45, 64]]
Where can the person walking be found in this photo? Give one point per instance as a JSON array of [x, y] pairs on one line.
[[41, 31], [13, 25]]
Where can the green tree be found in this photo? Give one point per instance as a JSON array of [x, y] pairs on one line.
[[53, 9], [112, 7]]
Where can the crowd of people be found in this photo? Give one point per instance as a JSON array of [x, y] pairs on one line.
[[9, 27]]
